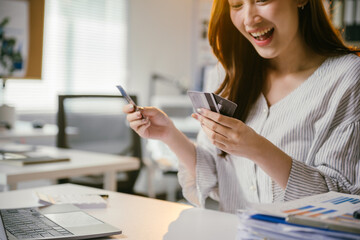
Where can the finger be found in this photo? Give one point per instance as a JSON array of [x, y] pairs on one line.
[[137, 124], [220, 146], [213, 126], [217, 117], [143, 128], [216, 139], [134, 116], [215, 136], [128, 108], [150, 111]]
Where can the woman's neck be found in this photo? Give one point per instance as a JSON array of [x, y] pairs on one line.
[[298, 58], [287, 72]]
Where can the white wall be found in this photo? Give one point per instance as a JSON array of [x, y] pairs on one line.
[[160, 41]]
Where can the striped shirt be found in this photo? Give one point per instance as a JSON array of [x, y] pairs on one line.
[[317, 125]]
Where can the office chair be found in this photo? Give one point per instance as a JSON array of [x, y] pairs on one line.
[[102, 127]]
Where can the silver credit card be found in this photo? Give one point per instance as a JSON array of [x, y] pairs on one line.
[[212, 102]]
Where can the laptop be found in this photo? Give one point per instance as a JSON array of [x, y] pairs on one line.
[[63, 221]]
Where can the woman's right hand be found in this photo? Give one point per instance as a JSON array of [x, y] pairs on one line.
[[149, 122]]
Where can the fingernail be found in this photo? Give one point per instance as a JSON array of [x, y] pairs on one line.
[[131, 107], [199, 110], [194, 115]]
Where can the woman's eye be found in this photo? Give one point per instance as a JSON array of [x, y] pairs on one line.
[[236, 6], [261, 1]]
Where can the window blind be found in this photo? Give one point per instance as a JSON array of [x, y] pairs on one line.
[[85, 52]]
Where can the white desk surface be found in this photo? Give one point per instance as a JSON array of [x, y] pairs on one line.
[[141, 218], [81, 163]]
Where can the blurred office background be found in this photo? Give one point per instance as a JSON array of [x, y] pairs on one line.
[[90, 46], [156, 49]]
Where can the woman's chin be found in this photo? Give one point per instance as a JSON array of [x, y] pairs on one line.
[[266, 53]]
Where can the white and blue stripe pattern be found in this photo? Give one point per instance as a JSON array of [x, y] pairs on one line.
[[318, 125]]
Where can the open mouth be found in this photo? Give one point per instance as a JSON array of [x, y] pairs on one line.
[[263, 35]]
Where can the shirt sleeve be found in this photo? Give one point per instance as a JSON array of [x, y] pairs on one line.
[[334, 162], [336, 166], [197, 189]]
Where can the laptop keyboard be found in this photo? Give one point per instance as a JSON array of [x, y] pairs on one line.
[[29, 223]]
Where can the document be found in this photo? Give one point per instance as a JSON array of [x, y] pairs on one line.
[[84, 201], [329, 214], [250, 228], [330, 205]]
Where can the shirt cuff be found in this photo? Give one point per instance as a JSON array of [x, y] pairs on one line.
[[304, 181], [197, 189]]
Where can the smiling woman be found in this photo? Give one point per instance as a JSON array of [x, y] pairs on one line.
[[296, 130], [296, 25]]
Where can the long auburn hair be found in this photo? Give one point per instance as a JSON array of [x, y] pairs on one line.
[[245, 69]]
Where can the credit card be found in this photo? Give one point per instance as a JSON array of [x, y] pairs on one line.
[[225, 106], [126, 96], [203, 100], [212, 102]]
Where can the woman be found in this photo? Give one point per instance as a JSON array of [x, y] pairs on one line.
[[297, 127]]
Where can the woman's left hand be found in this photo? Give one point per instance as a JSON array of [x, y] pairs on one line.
[[235, 137], [230, 134]]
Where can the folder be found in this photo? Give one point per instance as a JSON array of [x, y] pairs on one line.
[[325, 214], [259, 226]]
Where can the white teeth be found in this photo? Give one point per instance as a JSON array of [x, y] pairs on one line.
[[257, 34]]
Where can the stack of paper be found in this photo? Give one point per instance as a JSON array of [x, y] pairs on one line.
[[323, 216], [84, 201]]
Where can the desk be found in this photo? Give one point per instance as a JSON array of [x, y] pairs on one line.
[[81, 163], [142, 218], [23, 129]]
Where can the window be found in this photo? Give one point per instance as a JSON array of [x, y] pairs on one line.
[[85, 51]]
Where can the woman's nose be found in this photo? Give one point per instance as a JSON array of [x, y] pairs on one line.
[[251, 15]]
